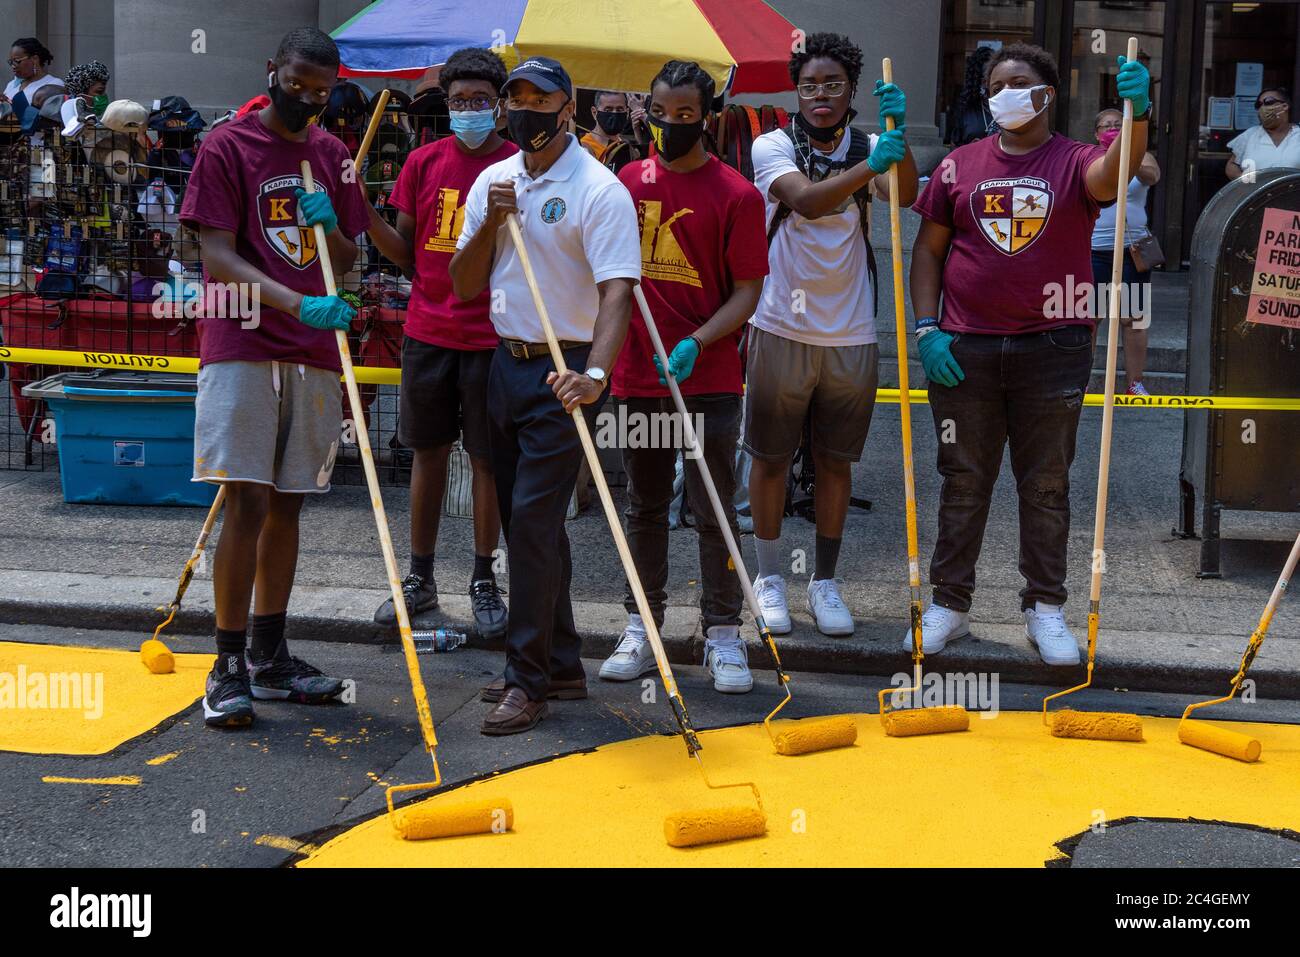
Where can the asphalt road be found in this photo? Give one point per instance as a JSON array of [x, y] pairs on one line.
[[303, 771]]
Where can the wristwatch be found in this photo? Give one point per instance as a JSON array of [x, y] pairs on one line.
[[598, 375]]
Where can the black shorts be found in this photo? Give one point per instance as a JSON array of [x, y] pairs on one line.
[[443, 395]]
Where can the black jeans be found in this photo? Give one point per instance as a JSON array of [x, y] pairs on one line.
[[650, 493], [535, 453], [1026, 391]]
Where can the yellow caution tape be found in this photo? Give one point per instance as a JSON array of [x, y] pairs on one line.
[[1239, 402], [127, 360], [387, 375]]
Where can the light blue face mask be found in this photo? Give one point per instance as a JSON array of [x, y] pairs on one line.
[[472, 127]]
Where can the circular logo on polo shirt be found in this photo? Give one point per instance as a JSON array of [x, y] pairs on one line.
[[553, 210]]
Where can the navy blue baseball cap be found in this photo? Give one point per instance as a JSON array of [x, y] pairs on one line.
[[544, 73]]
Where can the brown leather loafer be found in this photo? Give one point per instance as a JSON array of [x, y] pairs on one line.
[[572, 689], [514, 713]]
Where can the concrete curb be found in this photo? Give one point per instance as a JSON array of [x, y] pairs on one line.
[[1189, 664]]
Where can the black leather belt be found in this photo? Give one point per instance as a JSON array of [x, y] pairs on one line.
[[534, 350]]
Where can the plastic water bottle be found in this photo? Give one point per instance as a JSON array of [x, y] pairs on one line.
[[434, 640]]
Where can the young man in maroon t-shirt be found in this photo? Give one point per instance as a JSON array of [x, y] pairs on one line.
[[449, 343], [1005, 238], [703, 259], [269, 409]]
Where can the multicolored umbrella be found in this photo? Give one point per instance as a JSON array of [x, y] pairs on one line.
[[604, 44]]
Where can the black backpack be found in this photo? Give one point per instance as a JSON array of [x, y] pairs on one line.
[[800, 486]]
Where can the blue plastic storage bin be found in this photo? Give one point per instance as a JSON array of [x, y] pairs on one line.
[[125, 437]]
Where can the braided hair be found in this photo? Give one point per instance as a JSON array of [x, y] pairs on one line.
[[85, 75]]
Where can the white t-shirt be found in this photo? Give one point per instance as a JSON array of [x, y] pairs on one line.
[[1257, 147], [818, 290], [580, 228], [15, 84]]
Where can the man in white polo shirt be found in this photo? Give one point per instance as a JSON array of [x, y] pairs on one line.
[[580, 228]]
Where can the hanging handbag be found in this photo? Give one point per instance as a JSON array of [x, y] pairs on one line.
[[1146, 253]]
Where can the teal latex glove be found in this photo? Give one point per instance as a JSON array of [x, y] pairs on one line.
[[317, 208], [1134, 84], [935, 349], [892, 103], [326, 312], [891, 147], [681, 361]]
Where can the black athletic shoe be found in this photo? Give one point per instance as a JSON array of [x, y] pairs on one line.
[[489, 610], [291, 679], [227, 699], [421, 595]]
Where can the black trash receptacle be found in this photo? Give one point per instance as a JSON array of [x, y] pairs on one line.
[[1243, 339]]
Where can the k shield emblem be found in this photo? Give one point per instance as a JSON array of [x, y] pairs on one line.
[[282, 225], [1011, 213], [553, 210]]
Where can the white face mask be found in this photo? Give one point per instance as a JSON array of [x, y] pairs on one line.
[[1013, 108]]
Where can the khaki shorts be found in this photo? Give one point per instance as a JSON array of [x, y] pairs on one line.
[[784, 379], [273, 423]]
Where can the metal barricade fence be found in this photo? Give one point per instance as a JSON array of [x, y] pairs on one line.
[[96, 259]]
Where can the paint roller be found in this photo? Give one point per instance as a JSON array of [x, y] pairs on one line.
[[155, 654], [1234, 744], [424, 820], [686, 828], [906, 722], [1104, 725], [800, 737]]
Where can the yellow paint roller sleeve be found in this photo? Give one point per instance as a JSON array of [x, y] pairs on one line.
[[1019, 792], [621, 46], [60, 700]]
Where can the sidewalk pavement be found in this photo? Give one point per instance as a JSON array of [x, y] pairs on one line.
[[1162, 628]]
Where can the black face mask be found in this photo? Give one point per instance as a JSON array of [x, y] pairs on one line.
[[532, 130], [614, 124], [825, 134], [674, 140], [294, 113]]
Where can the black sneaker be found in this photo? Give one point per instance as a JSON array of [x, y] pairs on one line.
[[227, 699], [291, 679], [489, 610], [421, 595]]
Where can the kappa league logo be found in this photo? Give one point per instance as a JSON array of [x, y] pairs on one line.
[[1011, 213], [281, 221]]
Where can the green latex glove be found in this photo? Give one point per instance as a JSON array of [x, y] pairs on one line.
[[317, 208], [890, 149], [893, 103], [681, 361], [326, 312], [935, 349], [1134, 84]]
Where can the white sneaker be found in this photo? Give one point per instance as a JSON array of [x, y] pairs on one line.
[[939, 625], [770, 592], [633, 657], [1047, 631], [826, 606], [727, 659]]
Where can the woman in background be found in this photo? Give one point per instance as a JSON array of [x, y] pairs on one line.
[[1135, 303], [1274, 142]]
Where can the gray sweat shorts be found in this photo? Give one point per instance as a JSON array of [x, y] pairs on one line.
[[786, 379], [274, 423]]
